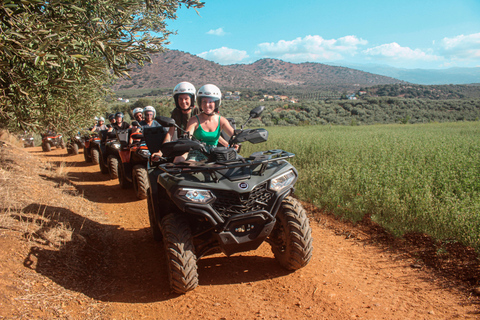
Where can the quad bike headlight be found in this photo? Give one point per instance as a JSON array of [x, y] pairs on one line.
[[144, 153], [116, 145], [282, 181], [195, 195]]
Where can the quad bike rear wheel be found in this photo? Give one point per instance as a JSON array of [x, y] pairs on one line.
[[140, 181], [291, 239], [112, 162], [157, 233], [122, 179], [103, 166], [179, 253], [86, 155]]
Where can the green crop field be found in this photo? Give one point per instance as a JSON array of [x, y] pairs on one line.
[[422, 178]]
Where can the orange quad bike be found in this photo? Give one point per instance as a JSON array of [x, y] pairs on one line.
[[134, 159]]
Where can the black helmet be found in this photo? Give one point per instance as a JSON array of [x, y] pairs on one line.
[[119, 114], [111, 116]]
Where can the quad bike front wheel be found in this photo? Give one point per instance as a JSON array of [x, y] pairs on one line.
[[179, 253], [291, 239], [112, 162], [62, 144], [95, 155], [140, 181], [46, 147], [74, 148]]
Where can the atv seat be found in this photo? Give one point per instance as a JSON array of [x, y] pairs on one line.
[[105, 135], [154, 137], [122, 136]]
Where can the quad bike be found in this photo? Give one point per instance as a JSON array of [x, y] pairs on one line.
[[51, 139], [108, 152], [91, 147], [227, 203], [134, 158], [28, 140], [75, 143]]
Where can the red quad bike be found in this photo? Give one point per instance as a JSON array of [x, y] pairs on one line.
[[51, 139], [134, 159]]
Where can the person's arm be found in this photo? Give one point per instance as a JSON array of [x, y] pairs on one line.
[[222, 141], [225, 126], [191, 127], [169, 135]]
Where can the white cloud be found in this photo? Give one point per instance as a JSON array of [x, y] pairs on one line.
[[311, 48], [224, 55], [462, 47], [217, 32], [393, 51]]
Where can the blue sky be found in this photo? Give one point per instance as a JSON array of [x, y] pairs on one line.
[[426, 34]]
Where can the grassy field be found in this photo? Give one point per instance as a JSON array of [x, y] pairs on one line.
[[421, 178]]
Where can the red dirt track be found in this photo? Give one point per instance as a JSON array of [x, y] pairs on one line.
[[349, 277]]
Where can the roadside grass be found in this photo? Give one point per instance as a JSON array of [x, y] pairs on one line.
[[41, 214], [407, 178]]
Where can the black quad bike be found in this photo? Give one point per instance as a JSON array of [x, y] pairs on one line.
[[227, 203], [51, 139], [134, 159], [27, 139], [108, 153], [75, 143], [91, 147]]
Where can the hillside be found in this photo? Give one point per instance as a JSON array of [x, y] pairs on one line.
[[171, 67]]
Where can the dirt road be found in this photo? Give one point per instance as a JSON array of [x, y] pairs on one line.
[[349, 277]]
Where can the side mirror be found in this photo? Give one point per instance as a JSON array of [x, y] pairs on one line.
[[255, 113], [165, 121]]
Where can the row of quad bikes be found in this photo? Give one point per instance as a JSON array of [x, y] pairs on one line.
[[118, 158], [226, 204]]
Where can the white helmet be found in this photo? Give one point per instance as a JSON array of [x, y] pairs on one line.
[[184, 87], [210, 91], [149, 108], [137, 110], [101, 119]]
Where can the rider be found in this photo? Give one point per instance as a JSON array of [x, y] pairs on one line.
[[207, 126], [184, 97], [149, 113], [136, 133], [138, 114], [119, 123], [100, 125]]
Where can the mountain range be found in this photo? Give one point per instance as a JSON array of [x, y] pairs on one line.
[[424, 76], [171, 67]]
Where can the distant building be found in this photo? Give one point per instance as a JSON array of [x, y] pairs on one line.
[[351, 96]]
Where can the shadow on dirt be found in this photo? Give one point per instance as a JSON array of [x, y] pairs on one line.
[[109, 263]]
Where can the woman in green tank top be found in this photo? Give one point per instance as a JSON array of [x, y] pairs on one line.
[[207, 125]]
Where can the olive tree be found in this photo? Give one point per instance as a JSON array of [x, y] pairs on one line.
[[59, 57]]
